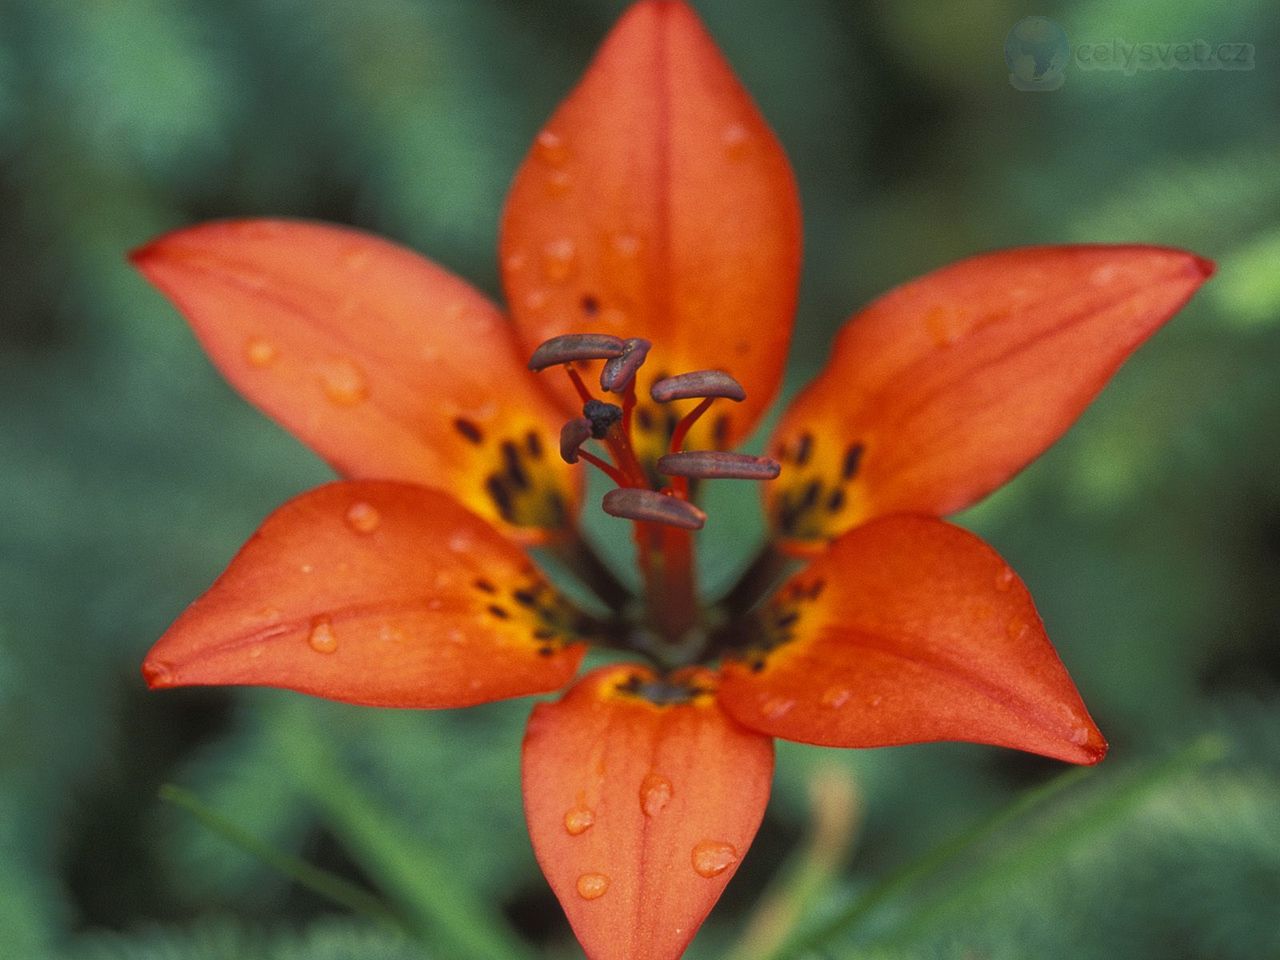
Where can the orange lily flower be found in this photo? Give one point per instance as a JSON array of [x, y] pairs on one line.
[[651, 239]]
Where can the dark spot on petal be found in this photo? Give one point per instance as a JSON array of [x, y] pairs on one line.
[[810, 496], [468, 429], [720, 432], [533, 443], [835, 502], [544, 634], [852, 459], [644, 419], [515, 468], [486, 586], [499, 612], [524, 598], [590, 305], [501, 497], [804, 449]]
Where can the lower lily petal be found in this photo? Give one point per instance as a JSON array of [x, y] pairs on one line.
[[907, 630], [640, 812], [378, 593]]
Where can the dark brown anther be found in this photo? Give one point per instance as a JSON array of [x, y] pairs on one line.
[[634, 503], [620, 371], [717, 465], [576, 346], [572, 436], [602, 417], [700, 384]]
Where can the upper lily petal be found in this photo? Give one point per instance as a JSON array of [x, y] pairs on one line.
[[640, 812], [656, 203], [380, 593], [385, 364], [942, 389], [905, 630]]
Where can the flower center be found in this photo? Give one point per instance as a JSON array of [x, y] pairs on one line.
[[656, 486]]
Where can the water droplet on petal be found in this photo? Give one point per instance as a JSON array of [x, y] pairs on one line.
[[1080, 736], [1017, 628], [551, 147], [307, 568], [456, 636], [389, 633], [461, 541], [775, 708], [578, 821], [713, 857], [363, 517], [558, 260], [260, 352], [591, 886], [942, 325], [655, 794], [322, 638], [626, 244], [835, 697], [343, 382], [515, 262], [735, 138], [1004, 579], [536, 299], [255, 652], [875, 701], [559, 182], [357, 258]]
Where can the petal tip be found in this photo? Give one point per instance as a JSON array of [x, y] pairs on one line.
[[158, 674], [1204, 265]]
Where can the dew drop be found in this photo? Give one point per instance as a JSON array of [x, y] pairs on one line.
[[307, 568], [536, 299], [1017, 628], [592, 886], [1080, 736], [775, 708], [363, 517], [875, 701], [255, 652], [626, 244], [735, 138], [558, 260], [551, 148], [260, 353], [321, 638], [343, 383], [655, 794], [713, 857], [1004, 579], [515, 262], [456, 636], [941, 323], [578, 821], [559, 182], [389, 633], [835, 697], [357, 258], [461, 541]]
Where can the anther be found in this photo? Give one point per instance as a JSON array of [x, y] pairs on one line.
[[699, 383], [572, 436], [634, 503], [620, 371], [602, 416], [576, 346], [717, 465]]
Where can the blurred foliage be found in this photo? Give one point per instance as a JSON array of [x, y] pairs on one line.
[[1150, 535]]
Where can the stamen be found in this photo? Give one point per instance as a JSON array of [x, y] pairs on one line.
[[633, 503], [572, 436], [602, 417], [699, 383], [717, 465], [620, 371], [576, 346]]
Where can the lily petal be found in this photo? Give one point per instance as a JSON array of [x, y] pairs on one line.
[[385, 364], [379, 593], [640, 813], [907, 630], [944, 388], [657, 203]]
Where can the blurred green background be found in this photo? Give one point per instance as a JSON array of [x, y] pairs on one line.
[[129, 473]]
